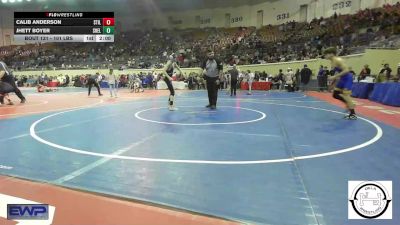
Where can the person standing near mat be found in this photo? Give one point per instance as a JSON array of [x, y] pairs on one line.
[[212, 71], [234, 73], [94, 80], [289, 80], [112, 83], [7, 77], [166, 75], [305, 75], [343, 87], [250, 79]]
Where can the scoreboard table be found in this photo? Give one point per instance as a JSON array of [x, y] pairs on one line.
[[64, 26]]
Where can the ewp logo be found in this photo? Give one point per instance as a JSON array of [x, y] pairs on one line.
[[27, 212]]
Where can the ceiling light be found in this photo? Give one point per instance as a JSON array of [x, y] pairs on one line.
[[4, 1]]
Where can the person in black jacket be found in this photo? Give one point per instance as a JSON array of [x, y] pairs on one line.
[[305, 75], [212, 71], [7, 77], [6, 88], [66, 81], [297, 82], [322, 77], [93, 80], [234, 72]]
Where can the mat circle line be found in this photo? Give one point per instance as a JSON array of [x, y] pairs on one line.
[[263, 116], [378, 135]]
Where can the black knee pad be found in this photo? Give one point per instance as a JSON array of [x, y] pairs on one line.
[[336, 94]]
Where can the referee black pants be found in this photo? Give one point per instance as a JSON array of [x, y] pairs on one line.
[[10, 80], [233, 86], [212, 89]]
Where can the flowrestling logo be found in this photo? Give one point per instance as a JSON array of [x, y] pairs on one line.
[[370, 200]]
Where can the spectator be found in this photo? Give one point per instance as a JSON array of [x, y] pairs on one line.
[[222, 82], [112, 83], [298, 79], [283, 42], [319, 77], [305, 74], [384, 74], [191, 82], [234, 73], [250, 79], [277, 81], [365, 72], [289, 80], [322, 78], [66, 80]]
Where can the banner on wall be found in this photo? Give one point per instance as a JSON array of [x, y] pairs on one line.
[[236, 19], [338, 6], [282, 16]]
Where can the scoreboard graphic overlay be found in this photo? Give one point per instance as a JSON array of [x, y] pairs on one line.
[[64, 26]]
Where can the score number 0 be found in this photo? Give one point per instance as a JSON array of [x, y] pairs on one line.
[[108, 25], [108, 21]]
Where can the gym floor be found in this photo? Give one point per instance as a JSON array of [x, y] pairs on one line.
[[268, 158]]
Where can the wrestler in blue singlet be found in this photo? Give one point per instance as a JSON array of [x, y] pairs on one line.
[[345, 82]]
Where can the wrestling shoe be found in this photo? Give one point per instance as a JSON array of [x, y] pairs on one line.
[[172, 108], [350, 117]]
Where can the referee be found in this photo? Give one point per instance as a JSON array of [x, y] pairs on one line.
[[7, 77], [93, 80], [212, 71]]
